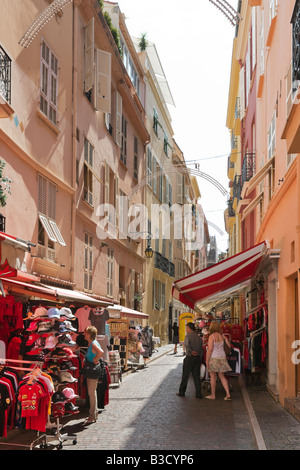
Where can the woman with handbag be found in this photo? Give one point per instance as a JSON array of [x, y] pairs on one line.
[[216, 359], [91, 370]]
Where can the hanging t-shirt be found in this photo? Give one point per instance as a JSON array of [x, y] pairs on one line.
[[82, 315], [5, 403], [98, 318]]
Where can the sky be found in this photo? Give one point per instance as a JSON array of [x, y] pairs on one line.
[[194, 42]]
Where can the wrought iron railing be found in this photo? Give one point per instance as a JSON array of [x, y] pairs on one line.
[[5, 75], [248, 169]]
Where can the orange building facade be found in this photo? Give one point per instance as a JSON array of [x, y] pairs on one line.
[[266, 82]]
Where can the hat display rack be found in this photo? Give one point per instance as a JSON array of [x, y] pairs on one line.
[[50, 330], [56, 325]]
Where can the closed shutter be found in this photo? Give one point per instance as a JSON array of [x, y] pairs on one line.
[[103, 90], [89, 71], [117, 200]]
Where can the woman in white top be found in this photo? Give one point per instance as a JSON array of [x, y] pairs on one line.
[[216, 360]]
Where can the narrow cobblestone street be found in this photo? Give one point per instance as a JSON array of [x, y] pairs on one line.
[[144, 414]]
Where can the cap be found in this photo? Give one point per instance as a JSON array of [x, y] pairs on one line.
[[58, 397], [39, 312], [33, 326], [69, 393], [53, 313], [71, 408], [51, 342], [66, 340], [66, 312], [68, 326], [67, 365], [44, 327], [58, 410], [66, 377]]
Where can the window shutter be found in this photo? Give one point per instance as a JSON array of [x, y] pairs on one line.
[[42, 185], [47, 228], [289, 92], [57, 233], [51, 200], [103, 91], [119, 119], [89, 56]]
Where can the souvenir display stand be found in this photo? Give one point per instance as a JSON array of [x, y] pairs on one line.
[[119, 331], [114, 367]]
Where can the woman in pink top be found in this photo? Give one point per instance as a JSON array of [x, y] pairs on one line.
[[216, 360]]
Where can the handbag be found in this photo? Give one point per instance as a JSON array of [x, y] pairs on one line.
[[94, 371], [227, 349]]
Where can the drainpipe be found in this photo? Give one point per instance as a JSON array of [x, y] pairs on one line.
[[76, 4]]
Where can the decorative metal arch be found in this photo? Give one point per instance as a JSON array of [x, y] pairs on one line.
[[41, 20], [231, 14], [176, 169]]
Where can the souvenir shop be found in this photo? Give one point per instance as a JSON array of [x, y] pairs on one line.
[[42, 351], [221, 291], [129, 336]]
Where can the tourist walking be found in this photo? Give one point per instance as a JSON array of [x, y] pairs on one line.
[[216, 360], [192, 360]]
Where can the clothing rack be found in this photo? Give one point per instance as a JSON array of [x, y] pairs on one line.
[[41, 438]]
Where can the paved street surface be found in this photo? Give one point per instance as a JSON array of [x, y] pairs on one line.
[[144, 413]]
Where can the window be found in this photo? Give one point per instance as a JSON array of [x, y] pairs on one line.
[[88, 172], [97, 72], [5, 76], [155, 121], [88, 263], [48, 231], [166, 144], [110, 271], [149, 167], [272, 137], [135, 159], [123, 154], [129, 65], [273, 9], [49, 83], [262, 44]]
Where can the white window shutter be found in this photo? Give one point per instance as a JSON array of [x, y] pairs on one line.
[[47, 228], [103, 81], [119, 119], [89, 65], [57, 233]]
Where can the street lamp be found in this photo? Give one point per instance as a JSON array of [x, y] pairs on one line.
[[148, 251]]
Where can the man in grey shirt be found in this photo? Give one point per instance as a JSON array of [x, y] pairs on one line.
[[192, 360]]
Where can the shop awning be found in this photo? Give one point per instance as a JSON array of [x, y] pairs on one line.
[[18, 287], [219, 277], [70, 295], [126, 312]]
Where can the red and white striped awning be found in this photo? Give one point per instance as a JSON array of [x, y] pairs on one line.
[[219, 277]]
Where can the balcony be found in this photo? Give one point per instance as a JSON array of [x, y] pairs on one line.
[[248, 170], [237, 190], [162, 263], [231, 211]]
